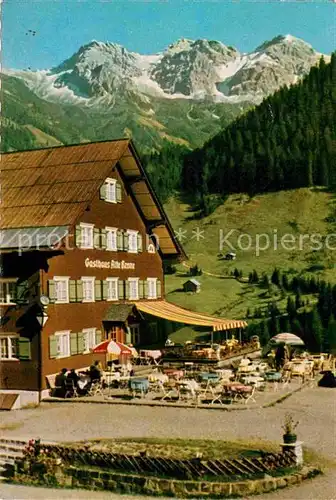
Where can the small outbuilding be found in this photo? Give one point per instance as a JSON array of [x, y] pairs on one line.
[[192, 286]]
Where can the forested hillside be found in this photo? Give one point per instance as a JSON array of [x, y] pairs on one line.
[[286, 142]]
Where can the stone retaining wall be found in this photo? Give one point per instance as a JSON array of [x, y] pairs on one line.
[[72, 477]]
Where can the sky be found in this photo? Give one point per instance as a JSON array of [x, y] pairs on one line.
[[148, 27]]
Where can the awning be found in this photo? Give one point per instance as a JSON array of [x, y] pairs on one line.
[[171, 312], [32, 237]]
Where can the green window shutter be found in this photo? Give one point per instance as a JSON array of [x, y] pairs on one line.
[[78, 236], [105, 290], [125, 244], [73, 344], [22, 292], [158, 288], [51, 290], [118, 192], [72, 291], [80, 342], [79, 287], [103, 243], [24, 348], [139, 242], [141, 289], [98, 336], [120, 239], [121, 290], [53, 346], [96, 237], [127, 290], [146, 289], [103, 192], [98, 290]]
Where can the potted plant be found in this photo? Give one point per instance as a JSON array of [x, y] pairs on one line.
[[289, 428]]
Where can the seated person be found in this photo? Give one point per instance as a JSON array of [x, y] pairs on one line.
[[95, 372], [73, 376], [328, 379], [60, 383]]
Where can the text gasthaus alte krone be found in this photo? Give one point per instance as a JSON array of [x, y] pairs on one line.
[[109, 264]]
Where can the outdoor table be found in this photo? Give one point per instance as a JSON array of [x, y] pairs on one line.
[[139, 384], [110, 377], [160, 377], [273, 376], [174, 373], [207, 376], [225, 374]]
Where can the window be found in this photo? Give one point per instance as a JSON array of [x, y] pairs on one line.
[[132, 241], [88, 289], [135, 334], [111, 191], [113, 333], [61, 289], [63, 344], [9, 347], [112, 289], [89, 338], [7, 292], [151, 283], [86, 235], [111, 239], [133, 288]]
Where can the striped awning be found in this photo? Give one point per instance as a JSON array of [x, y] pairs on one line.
[[171, 312]]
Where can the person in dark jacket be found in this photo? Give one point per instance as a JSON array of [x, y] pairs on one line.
[[328, 379], [73, 376], [60, 383]]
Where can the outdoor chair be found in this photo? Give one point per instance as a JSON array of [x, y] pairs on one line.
[[70, 389], [169, 390], [250, 396], [95, 389]]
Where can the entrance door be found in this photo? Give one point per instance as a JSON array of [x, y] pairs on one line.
[[135, 334]]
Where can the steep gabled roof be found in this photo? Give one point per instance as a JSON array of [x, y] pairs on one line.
[[53, 186]]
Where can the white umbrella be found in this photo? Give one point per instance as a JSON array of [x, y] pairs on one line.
[[287, 339]]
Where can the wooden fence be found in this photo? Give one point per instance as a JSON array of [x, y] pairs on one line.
[[172, 468]]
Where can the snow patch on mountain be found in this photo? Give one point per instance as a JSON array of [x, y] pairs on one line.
[[101, 72]]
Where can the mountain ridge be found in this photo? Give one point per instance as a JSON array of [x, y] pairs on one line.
[[184, 94]]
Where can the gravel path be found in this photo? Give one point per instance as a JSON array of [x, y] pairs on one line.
[[315, 408]]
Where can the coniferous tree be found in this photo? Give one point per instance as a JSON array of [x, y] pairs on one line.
[[316, 331], [276, 277], [330, 338]]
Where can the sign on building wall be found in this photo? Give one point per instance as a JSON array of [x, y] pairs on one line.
[[109, 264]]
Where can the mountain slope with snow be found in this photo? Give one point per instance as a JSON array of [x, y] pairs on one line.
[[184, 94]]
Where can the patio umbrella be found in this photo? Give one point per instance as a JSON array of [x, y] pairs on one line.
[[287, 339], [113, 347]]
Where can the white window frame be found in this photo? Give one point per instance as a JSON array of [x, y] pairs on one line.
[[111, 298], [89, 339], [10, 347], [111, 190], [152, 282], [89, 243], [132, 234], [61, 335], [58, 279], [110, 230], [91, 280], [129, 281], [8, 297]]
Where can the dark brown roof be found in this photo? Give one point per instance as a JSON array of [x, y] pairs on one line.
[[118, 312], [53, 186]]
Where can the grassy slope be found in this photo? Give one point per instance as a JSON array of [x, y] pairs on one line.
[[292, 212]]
